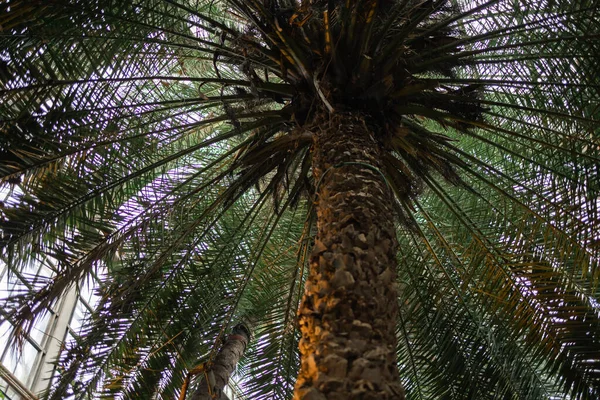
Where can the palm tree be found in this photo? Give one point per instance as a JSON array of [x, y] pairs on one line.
[[216, 376], [425, 171]]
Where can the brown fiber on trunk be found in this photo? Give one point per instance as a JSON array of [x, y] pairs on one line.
[[349, 310]]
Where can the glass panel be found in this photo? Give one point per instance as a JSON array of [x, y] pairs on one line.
[[25, 365], [21, 365], [3, 385], [78, 314], [30, 270], [5, 331], [8, 393], [45, 271], [8, 284], [88, 292], [4, 285], [39, 329]]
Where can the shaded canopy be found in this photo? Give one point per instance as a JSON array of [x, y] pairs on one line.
[[162, 148]]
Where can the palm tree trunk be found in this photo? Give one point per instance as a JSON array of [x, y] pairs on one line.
[[217, 377], [349, 310]]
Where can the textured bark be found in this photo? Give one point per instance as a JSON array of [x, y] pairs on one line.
[[218, 375], [349, 310]]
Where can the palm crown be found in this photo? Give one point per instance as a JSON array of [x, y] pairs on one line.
[[166, 148]]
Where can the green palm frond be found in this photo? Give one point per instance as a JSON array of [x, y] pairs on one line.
[[164, 147]]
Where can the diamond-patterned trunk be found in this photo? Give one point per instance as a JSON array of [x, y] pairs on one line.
[[349, 311]]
